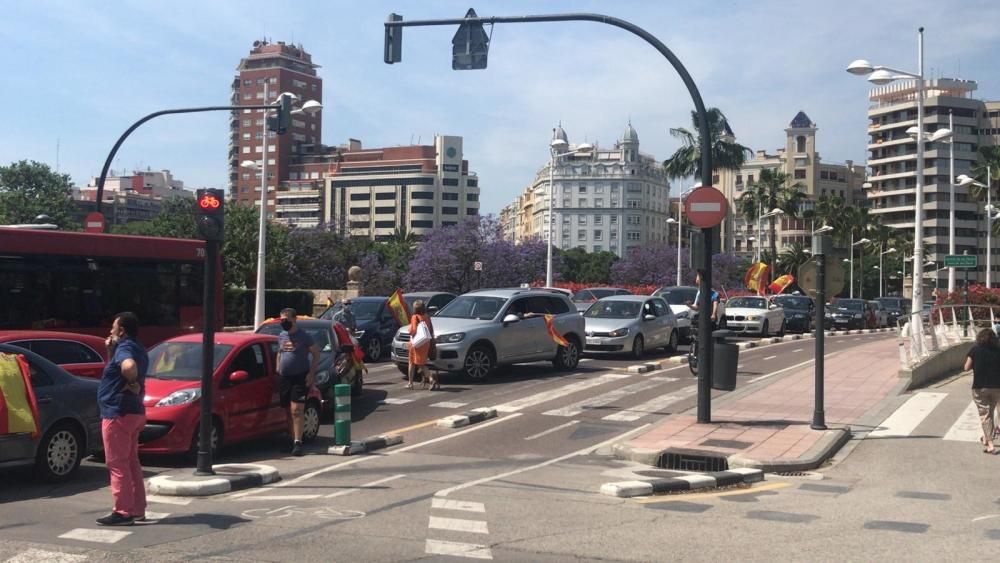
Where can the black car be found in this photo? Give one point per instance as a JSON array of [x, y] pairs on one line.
[[800, 311], [850, 314], [374, 324], [896, 307], [330, 350], [435, 300], [70, 421]]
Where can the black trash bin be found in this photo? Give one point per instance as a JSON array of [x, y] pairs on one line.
[[725, 358]]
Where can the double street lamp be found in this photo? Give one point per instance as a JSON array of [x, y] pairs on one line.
[[555, 146], [966, 181], [944, 136], [862, 284], [881, 278], [680, 223]]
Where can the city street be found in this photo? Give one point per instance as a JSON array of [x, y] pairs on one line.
[[524, 486]]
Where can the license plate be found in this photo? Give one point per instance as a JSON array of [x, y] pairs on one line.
[[842, 320]]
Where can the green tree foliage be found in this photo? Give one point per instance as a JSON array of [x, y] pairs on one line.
[[29, 189], [727, 154], [580, 266], [175, 220], [771, 191]]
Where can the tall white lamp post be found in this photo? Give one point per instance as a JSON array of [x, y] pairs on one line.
[[853, 244], [680, 223], [554, 147], [882, 75], [881, 280], [965, 181]]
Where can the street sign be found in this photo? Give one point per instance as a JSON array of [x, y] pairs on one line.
[[477, 266], [834, 277], [961, 261], [706, 207], [94, 222]]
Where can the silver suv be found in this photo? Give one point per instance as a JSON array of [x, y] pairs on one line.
[[484, 329]]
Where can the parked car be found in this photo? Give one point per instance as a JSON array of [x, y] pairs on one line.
[[630, 324], [925, 312], [880, 313], [896, 308], [79, 354], [244, 393], [330, 350], [434, 300], [678, 297], [584, 298], [756, 315], [850, 314], [481, 330], [800, 311], [374, 324], [69, 419]]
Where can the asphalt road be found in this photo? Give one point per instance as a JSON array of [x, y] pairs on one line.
[[522, 487]]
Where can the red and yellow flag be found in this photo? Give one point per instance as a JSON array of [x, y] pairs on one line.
[[397, 305], [558, 338], [781, 283], [755, 276], [18, 406]]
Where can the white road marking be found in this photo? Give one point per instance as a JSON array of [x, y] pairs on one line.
[[168, 500], [605, 399], [987, 517], [42, 556], [575, 387], [283, 497], [364, 486], [654, 406], [464, 505], [770, 357], [155, 516], [449, 405], [458, 525], [334, 467], [967, 428], [458, 549], [551, 430], [95, 535], [907, 417], [797, 350], [395, 401], [584, 451], [796, 366]]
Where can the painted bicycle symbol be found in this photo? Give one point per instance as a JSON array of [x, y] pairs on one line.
[[324, 512]]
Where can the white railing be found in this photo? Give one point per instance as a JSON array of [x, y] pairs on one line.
[[945, 326]]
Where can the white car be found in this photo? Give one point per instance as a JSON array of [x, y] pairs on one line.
[[755, 315]]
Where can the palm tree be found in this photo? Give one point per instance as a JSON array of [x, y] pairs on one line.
[[727, 154], [826, 211], [793, 256], [771, 191]]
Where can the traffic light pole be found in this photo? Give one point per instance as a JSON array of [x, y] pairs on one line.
[[204, 466], [819, 251]]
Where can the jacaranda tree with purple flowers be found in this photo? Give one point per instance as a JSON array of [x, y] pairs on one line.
[[657, 266]]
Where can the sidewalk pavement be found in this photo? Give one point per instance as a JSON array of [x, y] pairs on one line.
[[767, 425]]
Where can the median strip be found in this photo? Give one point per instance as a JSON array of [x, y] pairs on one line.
[[629, 489], [367, 445], [467, 418]]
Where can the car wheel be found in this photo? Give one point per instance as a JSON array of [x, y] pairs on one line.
[[671, 346], [59, 453], [638, 347], [479, 363], [567, 357], [216, 439], [357, 386], [765, 329], [373, 351], [310, 421], [781, 331]]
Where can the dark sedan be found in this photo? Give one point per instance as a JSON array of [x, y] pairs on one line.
[[325, 338], [849, 314], [70, 421], [374, 324], [799, 311]]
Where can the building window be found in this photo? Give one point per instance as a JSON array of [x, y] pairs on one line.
[[359, 211], [449, 181], [598, 234], [422, 195], [472, 211], [634, 188], [739, 179], [581, 202], [246, 150], [422, 224], [422, 209], [632, 235], [258, 135], [246, 136], [271, 148], [598, 189], [581, 219], [749, 178], [383, 196], [614, 219], [800, 144], [598, 248], [581, 234], [248, 82], [633, 204], [449, 211], [449, 197], [599, 202], [598, 219], [614, 235], [614, 187], [448, 223], [360, 197], [800, 174], [471, 197], [270, 162], [633, 220], [246, 123], [567, 202], [582, 189], [385, 210], [385, 224], [824, 175]]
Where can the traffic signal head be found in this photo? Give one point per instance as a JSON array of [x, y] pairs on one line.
[[209, 207], [393, 41], [281, 122]]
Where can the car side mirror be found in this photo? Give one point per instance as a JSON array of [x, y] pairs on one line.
[[432, 310], [649, 318], [239, 376], [510, 319]]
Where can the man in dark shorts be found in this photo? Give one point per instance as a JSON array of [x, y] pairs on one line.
[[297, 359]]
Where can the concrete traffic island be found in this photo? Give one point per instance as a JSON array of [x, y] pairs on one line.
[[637, 488], [228, 477], [367, 445]]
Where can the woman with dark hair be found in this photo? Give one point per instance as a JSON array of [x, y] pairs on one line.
[[984, 361]]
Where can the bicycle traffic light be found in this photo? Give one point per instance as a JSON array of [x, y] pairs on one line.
[[210, 213], [281, 122]]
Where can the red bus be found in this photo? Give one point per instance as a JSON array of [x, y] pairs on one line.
[[76, 282]]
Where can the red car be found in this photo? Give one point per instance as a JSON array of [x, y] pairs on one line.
[[79, 354], [244, 393]]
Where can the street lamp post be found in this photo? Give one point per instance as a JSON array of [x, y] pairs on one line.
[[853, 244], [554, 154], [680, 223], [882, 75], [881, 280], [966, 181]]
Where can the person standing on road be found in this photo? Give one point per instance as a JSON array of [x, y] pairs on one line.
[[347, 317], [716, 321], [298, 356], [421, 335], [123, 416], [984, 361]]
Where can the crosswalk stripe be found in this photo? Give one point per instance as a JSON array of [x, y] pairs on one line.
[[458, 525], [653, 406], [42, 556], [551, 430], [907, 417], [544, 396], [395, 401], [967, 428], [364, 486], [464, 505], [605, 399], [95, 535], [458, 549], [449, 405], [168, 500]]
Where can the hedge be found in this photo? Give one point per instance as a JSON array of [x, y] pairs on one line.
[[240, 304]]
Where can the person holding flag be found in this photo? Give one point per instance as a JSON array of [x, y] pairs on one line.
[[397, 306]]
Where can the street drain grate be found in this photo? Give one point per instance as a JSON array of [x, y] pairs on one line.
[[692, 462], [801, 474]]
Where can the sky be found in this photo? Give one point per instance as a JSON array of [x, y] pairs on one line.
[[77, 74]]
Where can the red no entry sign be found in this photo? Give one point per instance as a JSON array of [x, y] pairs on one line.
[[705, 207], [94, 222]]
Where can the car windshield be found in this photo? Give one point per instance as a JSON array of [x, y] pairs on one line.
[[851, 305], [181, 360], [320, 335], [473, 307], [890, 304], [593, 294], [614, 310], [678, 296], [794, 302], [747, 303]]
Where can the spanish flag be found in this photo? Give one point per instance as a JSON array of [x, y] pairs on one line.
[[18, 406], [755, 276], [558, 338], [779, 285], [397, 305]]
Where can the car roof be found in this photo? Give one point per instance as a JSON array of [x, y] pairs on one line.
[[605, 287], [636, 298], [511, 292], [8, 335], [310, 322], [33, 357], [367, 298], [426, 294], [671, 287], [233, 338]]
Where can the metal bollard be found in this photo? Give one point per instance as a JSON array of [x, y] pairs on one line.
[[342, 414]]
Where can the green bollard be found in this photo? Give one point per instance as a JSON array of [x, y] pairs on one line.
[[342, 414]]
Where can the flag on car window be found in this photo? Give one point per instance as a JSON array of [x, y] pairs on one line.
[[552, 332], [755, 276], [397, 305], [18, 406], [781, 283]]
